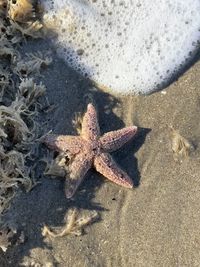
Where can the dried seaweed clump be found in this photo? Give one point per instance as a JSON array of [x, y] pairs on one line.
[[10, 236], [17, 131], [181, 147], [5, 82], [6, 47], [24, 17], [19, 98], [57, 167], [31, 64], [73, 224], [6, 236], [19, 106]]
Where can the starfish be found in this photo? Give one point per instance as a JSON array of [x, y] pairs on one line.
[[91, 150]]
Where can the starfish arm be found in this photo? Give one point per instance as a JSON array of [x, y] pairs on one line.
[[114, 140], [63, 143], [77, 170], [90, 125], [105, 165]]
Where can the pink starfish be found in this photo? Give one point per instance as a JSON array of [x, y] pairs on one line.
[[91, 150]]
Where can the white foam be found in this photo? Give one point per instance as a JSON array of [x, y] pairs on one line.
[[127, 46]]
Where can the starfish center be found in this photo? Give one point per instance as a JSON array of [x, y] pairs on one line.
[[95, 148]]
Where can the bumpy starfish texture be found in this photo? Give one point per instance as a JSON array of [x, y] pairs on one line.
[[91, 150]]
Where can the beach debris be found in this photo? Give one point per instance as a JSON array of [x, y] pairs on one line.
[[6, 235], [17, 131], [6, 82], [21, 10], [10, 236], [6, 48], [3, 7], [116, 43], [32, 63], [20, 104], [181, 147], [56, 167], [73, 224], [77, 122], [24, 18], [30, 92], [34, 29], [89, 149]]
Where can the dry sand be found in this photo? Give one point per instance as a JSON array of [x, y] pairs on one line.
[[156, 223]]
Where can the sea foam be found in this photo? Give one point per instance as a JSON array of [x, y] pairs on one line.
[[125, 46]]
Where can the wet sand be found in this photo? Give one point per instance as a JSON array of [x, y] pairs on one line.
[[156, 223]]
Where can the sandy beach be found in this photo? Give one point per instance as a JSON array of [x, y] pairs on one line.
[[155, 224]]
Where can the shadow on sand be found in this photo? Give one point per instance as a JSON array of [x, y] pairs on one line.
[[46, 203]]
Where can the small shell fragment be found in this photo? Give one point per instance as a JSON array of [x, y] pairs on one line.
[[181, 147]]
